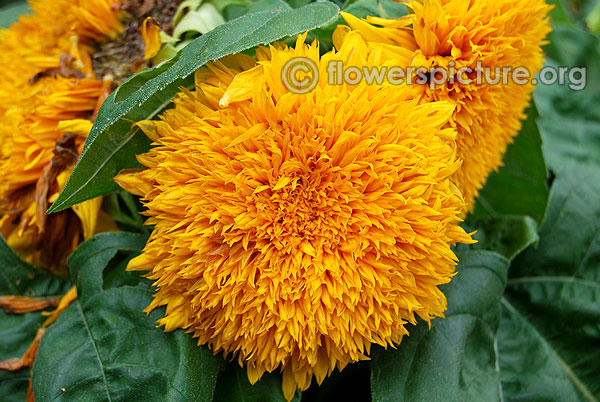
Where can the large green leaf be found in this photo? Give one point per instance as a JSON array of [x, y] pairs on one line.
[[10, 11], [519, 187], [570, 118], [382, 8], [456, 359], [239, 8], [16, 334], [13, 385], [560, 13], [20, 278], [530, 368], [18, 330], [89, 260], [552, 304], [266, 5], [298, 3], [105, 348], [113, 144]]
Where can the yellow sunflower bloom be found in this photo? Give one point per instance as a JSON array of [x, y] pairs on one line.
[[293, 231], [60, 63], [49, 82], [475, 34]]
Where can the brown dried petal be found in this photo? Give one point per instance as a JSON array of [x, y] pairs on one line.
[[23, 305]]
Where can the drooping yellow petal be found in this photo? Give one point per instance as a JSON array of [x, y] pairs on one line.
[[149, 128], [65, 302], [151, 36], [241, 87], [81, 127], [131, 181], [87, 212]]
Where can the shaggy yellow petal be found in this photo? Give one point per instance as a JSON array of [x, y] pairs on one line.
[[80, 127]]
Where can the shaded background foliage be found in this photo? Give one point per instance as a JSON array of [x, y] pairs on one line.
[[524, 310]]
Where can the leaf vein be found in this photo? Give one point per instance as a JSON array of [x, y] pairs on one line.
[[95, 349], [579, 384]]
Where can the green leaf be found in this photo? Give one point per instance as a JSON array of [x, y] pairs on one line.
[[112, 144], [519, 187], [571, 142], [225, 5], [18, 330], [570, 118], [13, 385], [89, 260], [569, 239], [117, 349], [108, 349], [233, 385], [20, 278], [378, 8], [125, 210], [267, 5], [11, 10], [508, 235], [456, 359], [250, 6], [531, 370], [552, 303], [392, 9], [593, 19], [298, 3], [560, 12]]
